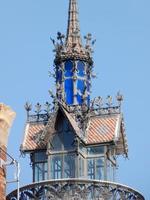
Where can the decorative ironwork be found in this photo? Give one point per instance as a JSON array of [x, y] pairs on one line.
[[89, 43], [28, 108], [99, 107], [76, 189], [41, 114], [81, 113], [119, 98]]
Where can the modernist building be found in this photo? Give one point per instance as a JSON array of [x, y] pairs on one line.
[[74, 144]]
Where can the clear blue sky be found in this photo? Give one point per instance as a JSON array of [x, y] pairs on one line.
[[122, 62]]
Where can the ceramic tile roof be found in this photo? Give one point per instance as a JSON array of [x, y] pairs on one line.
[[101, 129], [32, 130]]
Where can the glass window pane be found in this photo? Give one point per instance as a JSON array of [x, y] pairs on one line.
[[80, 86], [56, 144], [95, 150], [81, 68], [110, 171], [40, 171], [40, 157], [91, 168], [99, 173], [68, 140], [68, 68], [81, 167], [45, 171], [56, 167], [69, 91], [79, 99], [69, 166]]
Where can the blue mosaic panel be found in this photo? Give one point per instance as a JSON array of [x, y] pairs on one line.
[[88, 86], [69, 91], [79, 99], [80, 90], [88, 82], [80, 86], [68, 68], [88, 100], [81, 68], [58, 75]]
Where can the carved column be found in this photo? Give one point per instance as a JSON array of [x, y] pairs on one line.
[[6, 119]]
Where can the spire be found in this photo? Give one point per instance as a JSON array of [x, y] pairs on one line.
[[73, 38]]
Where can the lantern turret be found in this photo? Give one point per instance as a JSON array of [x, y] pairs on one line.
[[73, 63]]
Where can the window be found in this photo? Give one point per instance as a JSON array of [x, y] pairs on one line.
[[68, 68], [91, 168], [56, 167], [81, 167], [40, 170], [95, 150], [62, 166], [95, 168], [62, 156], [64, 138], [81, 68], [69, 91], [69, 166], [110, 171]]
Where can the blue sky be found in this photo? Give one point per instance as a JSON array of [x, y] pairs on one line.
[[122, 30]]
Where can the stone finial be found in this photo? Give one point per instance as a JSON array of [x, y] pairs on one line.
[[6, 118]]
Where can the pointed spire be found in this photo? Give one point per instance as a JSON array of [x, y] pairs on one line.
[[73, 30]]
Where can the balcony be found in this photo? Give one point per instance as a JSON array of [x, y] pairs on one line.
[[76, 189]]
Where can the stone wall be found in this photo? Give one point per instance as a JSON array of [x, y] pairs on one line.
[[6, 119]]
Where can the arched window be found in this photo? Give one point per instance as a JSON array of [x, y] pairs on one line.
[[80, 68], [80, 90], [68, 68], [69, 91]]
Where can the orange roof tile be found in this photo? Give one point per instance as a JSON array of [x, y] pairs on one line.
[[32, 131], [101, 129]]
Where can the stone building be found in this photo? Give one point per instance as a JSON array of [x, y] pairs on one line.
[[74, 143], [6, 119]]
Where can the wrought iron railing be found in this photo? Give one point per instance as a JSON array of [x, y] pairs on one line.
[[76, 189]]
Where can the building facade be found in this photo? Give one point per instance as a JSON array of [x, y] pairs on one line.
[[6, 119], [74, 144]]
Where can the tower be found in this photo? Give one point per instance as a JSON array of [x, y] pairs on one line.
[[6, 119], [73, 63], [73, 146]]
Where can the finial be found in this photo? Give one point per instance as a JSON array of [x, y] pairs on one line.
[[119, 98], [28, 108], [73, 30]]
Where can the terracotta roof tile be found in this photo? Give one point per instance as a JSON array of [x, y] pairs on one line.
[[102, 129], [32, 131]]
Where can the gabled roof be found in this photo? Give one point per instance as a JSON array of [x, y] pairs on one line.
[[107, 128]]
